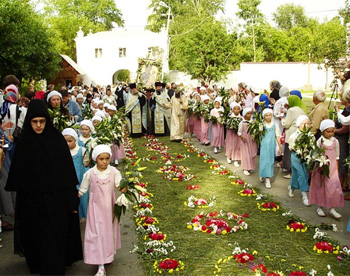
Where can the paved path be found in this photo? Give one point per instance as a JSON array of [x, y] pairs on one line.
[[280, 191]]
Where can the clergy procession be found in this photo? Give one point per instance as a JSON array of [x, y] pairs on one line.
[[61, 150]]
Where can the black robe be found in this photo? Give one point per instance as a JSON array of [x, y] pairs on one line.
[[47, 230]]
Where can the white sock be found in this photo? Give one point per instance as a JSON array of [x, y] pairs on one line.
[[101, 267], [304, 194]]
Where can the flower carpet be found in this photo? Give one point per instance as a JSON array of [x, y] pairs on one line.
[[195, 217]]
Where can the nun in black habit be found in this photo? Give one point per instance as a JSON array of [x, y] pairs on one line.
[[42, 173]]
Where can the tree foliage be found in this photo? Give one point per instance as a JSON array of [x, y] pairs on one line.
[[288, 16], [27, 47], [66, 16], [205, 53]]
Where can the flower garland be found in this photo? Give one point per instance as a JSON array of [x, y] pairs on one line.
[[294, 226], [216, 223], [325, 247], [247, 192], [168, 266], [268, 206], [194, 202], [239, 182], [175, 173], [192, 187]]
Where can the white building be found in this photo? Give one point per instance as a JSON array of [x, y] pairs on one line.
[[102, 55]]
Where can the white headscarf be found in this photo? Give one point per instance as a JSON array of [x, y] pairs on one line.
[[88, 123], [284, 91], [100, 113], [326, 124], [53, 93], [267, 110], [205, 97], [112, 107], [233, 104], [98, 118], [301, 119], [80, 96], [246, 110], [100, 149], [71, 132]]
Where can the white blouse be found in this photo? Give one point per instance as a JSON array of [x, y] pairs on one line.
[[85, 184]]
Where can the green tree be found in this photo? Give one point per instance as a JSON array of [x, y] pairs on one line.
[[27, 47], [206, 53], [250, 13], [180, 9], [123, 75], [345, 12], [288, 16], [66, 16]]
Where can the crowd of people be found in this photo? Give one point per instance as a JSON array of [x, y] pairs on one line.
[[56, 170]]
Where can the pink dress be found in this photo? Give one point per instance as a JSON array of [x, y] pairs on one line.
[[249, 150], [329, 193], [102, 234], [118, 152], [190, 124], [217, 130], [204, 131], [197, 127], [233, 149]]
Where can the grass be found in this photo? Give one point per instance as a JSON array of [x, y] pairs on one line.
[[279, 249]]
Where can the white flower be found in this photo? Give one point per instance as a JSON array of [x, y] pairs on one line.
[[122, 200], [313, 272]]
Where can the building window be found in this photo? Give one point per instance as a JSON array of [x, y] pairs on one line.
[[98, 52], [122, 52]]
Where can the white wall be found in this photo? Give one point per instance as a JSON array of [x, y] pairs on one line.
[[101, 70]]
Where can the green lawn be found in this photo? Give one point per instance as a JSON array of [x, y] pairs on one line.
[[277, 248]]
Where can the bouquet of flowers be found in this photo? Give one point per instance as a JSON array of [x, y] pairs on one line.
[[132, 194], [86, 112], [256, 127], [213, 119], [317, 159], [196, 108], [268, 206], [304, 144], [59, 120], [233, 122], [109, 131], [168, 266], [294, 226]]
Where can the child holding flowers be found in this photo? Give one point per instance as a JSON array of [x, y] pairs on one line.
[[232, 140], [85, 139], [300, 175], [267, 147], [326, 191], [102, 234], [81, 162], [217, 129], [205, 125], [248, 146]]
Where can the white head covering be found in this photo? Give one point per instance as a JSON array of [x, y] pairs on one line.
[[100, 113], [112, 107], [100, 149], [97, 96], [246, 110], [95, 100], [88, 123], [254, 90], [202, 88], [267, 110], [100, 102], [96, 117], [326, 124], [218, 99], [320, 95], [205, 97], [284, 91], [301, 119], [80, 96], [53, 93], [106, 105], [233, 104], [71, 132]]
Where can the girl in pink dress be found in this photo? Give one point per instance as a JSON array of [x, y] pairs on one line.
[[196, 118], [205, 125], [102, 235], [248, 146], [217, 130], [232, 144], [327, 192]]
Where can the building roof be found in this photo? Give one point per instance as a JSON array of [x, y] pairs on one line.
[[73, 64]]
